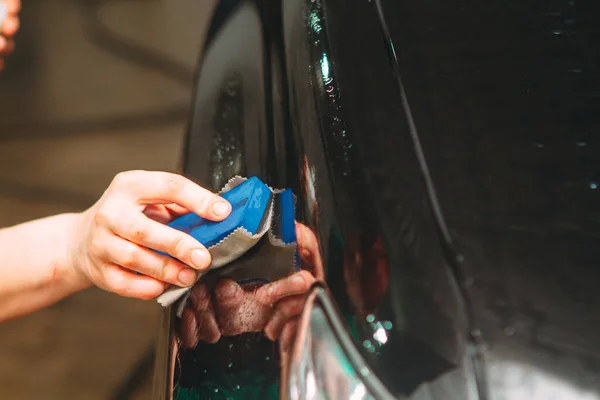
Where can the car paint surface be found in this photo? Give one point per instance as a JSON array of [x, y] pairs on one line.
[[445, 156]]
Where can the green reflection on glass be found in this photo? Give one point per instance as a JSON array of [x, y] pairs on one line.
[[315, 21], [325, 70]]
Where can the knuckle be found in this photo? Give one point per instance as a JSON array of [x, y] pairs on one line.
[[200, 297], [131, 255], [123, 180], [103, 216], [179, 248], [175, 183], [266, 294], [308, 278], [140, 233], [205, 203], [166, 271], [96, 247]]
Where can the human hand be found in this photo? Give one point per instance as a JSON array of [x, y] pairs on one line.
[[233, 309], [116, 237], [8, 27]]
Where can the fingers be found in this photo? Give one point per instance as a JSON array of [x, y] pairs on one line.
[[164, 213], [137, 258], [6, 45], [126, 230], [229, 299], [288, 334], [229, 296], [127, 284], [307, 241], [13, 6], [189, 329], [10, 26], [208, 330], [198, 320], [143, 231], [288, 294], [287, 309], [308, 249], [297, 283], [239, 310], [150, 187], [161, 196]]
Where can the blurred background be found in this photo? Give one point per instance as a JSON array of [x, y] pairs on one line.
[[93, 88]]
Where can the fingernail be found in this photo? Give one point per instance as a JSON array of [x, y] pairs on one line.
[[228, 291], [200, 259], [221, 208], [187, 277]]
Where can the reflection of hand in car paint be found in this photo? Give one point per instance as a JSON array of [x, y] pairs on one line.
[[233, 309]]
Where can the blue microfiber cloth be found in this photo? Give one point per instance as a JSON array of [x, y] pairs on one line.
[[257, 211], [249, 203], [273, 257]]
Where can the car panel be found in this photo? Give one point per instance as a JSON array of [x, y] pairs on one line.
[[505, 101], [442, 155]]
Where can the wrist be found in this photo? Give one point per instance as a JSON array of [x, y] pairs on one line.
[[67, 270]]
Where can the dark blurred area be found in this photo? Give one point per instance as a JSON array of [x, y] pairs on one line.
[[93, 88]]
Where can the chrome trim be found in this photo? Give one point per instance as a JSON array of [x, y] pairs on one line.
[[324, 362]]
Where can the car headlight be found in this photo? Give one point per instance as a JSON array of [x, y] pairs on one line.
[[324, 362]]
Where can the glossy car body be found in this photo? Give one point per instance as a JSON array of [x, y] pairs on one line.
[[445, 156]]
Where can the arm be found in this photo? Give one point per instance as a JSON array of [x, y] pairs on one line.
[[112, 245], [36, 270]]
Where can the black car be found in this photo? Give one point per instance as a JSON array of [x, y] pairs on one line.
[[445, 158]]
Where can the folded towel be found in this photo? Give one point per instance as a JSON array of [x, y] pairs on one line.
[[257, 210]]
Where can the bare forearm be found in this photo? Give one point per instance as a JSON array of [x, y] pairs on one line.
[[36, 269]]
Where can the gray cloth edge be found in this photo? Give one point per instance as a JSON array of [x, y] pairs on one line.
[[230, 248]]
